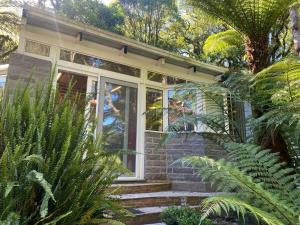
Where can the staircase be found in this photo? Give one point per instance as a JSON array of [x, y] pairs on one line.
[[147, 200]]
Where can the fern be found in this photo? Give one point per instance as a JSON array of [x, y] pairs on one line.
[[52, 169], [263, 185]]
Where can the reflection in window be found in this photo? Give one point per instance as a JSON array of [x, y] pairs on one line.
[[169, 80], [174, 81], [157, 77], [179, 109], [73, 84], [154, 111], [120, 121], [2, 83], [98, 63], [37, 48]]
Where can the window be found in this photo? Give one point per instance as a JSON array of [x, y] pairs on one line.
[[173, 80], [37, 48], [98, 63], [154, 110], [157, 77], [169, 80], [75, 84], [179, 108], [2, 83]]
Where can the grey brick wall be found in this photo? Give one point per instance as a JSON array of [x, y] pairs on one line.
[[23, 69], [159, 160], [155, 157]]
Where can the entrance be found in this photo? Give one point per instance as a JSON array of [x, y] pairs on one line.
[[118, 119]]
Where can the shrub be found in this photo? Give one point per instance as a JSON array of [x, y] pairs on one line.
[[52, 168], [183, 216]]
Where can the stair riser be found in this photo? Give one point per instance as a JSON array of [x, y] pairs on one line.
[[143, 219], [160, 201], [141, 189]]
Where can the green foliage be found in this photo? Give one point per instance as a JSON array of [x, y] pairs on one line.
[[52, 168], [263, 24], [183, 216], [7, 46], [9, 22], [144, 20], [248, 17], [94, 13], [263, 186], [227, 47]]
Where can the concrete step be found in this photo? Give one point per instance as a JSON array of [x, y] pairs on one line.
[[134, 188], [146, 215], [164, 198]]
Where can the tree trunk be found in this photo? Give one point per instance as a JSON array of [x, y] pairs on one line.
[[257, 51], [295, 28]]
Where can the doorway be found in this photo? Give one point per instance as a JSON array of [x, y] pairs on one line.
[[118, 120]]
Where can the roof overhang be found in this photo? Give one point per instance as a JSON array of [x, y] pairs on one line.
[[52, 21]]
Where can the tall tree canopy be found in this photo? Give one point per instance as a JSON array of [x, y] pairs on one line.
[[145, 20]]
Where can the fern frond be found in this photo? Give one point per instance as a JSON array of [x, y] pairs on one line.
[[226, 203]]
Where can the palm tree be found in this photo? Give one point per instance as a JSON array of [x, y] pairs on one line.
[[254, 20]]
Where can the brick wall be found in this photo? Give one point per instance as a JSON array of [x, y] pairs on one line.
[[23, 69], [155, 157], [159, 160]]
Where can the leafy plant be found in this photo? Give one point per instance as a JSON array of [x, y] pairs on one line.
[[183, 216], [52, 168], [262, 185], [227, 46], [258, 180]]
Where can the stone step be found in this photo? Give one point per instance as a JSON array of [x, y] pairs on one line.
[[164, 198], [134, 188], [146, 215]]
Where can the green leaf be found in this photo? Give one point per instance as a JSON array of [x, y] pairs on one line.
[[44, 206], [37, 177], [9, 187], [53, 222]]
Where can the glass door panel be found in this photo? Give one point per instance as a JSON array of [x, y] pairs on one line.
[[118, 113]]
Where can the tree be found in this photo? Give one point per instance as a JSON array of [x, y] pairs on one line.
[[255, 21], [94, 13], [187, 34], [9, 22], [145, 20]]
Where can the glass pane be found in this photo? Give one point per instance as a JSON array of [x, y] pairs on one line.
[[98, 63], [178, 109], [157, 77], [2, 81], [174, 81], [93, 99], [2, 84], [154, 111], [37, 48], [77, 89], [120, 121]]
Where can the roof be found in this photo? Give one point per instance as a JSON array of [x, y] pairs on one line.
[[51, 21]]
